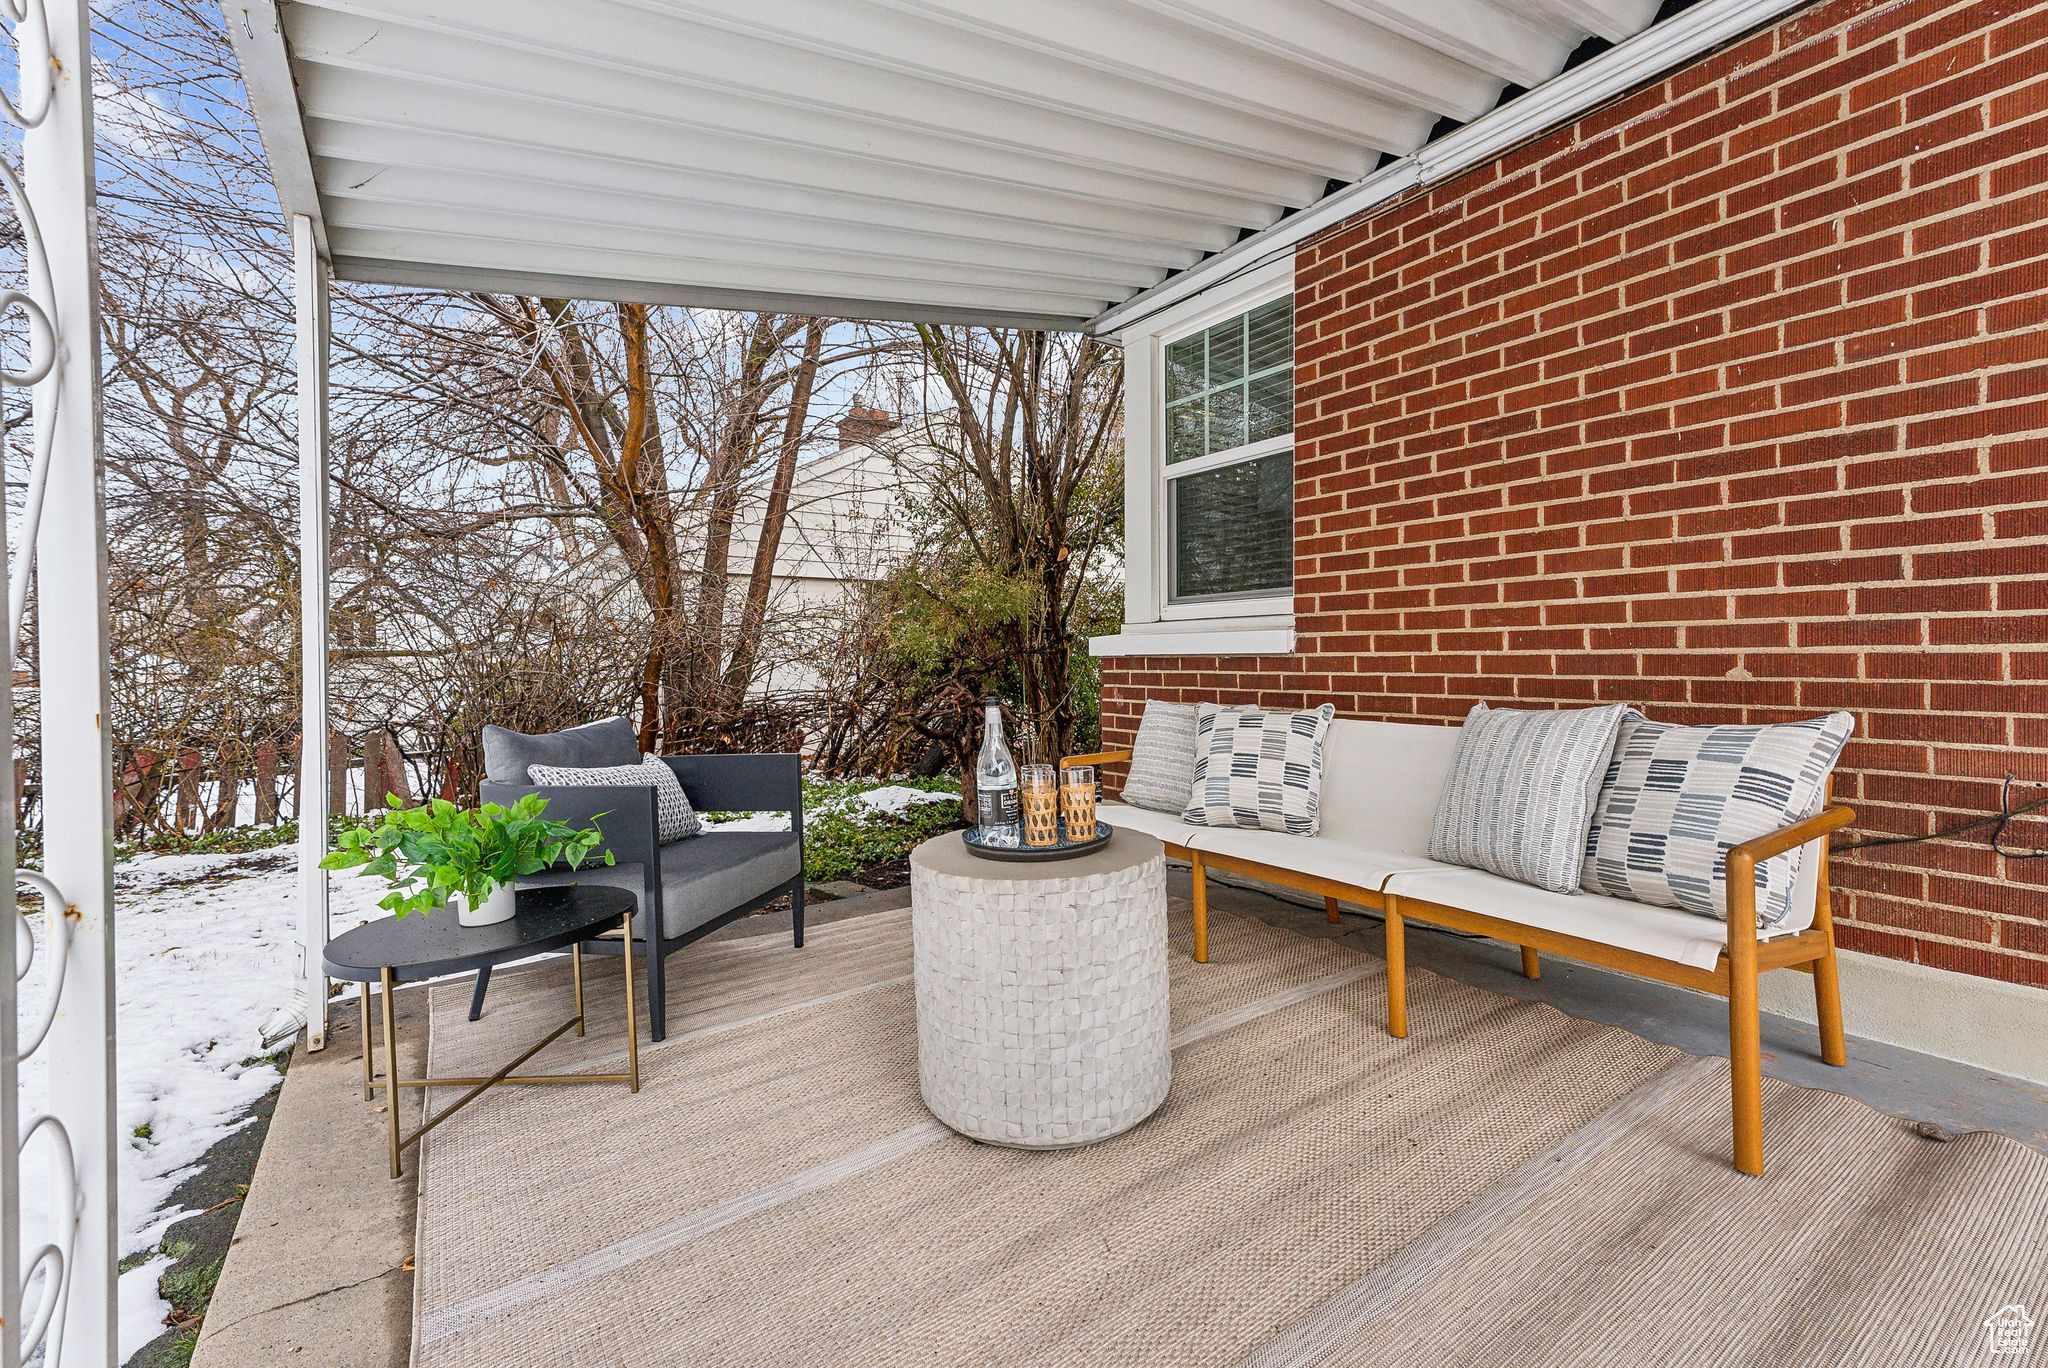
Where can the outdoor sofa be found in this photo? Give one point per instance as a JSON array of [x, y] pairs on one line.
[[700, 883], [1380, 787]]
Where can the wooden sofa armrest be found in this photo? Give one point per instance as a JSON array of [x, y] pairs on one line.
[[1110, 757], [1743, 860], [1761, 848]]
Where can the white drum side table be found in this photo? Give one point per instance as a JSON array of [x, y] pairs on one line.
[[1042, 1018]]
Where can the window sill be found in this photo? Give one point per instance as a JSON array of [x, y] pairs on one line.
[[1200, 637]]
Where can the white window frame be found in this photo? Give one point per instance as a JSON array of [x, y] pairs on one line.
[[1154, 622]]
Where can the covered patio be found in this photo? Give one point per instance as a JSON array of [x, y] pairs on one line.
[[1317, 1189], [1575, 354], [1313, 1192]]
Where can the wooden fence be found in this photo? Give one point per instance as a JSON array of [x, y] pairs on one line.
[[198, 790]]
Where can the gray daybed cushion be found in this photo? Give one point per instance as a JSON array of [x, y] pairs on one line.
[[507, 753], [701, 879]]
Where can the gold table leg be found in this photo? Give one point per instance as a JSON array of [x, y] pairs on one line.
[[576, 967], [397, 1142]]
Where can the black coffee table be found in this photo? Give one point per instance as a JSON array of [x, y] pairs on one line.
[[407, 949]]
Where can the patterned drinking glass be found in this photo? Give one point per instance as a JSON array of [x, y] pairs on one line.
[[1038, 789], [1077, 795]]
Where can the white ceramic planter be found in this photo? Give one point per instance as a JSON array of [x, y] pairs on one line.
[[496, 908]]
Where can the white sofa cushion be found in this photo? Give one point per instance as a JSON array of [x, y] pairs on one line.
[[1664, 932], [1381, 781], [1255, 768], [1521, 792], [1162, 772], [1360, 866], [1167, 826], [1346, 862], [1677, 798]]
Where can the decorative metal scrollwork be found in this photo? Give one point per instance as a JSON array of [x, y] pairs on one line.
[[36, 1327]]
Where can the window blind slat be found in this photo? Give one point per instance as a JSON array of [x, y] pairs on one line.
[[1233, 528]]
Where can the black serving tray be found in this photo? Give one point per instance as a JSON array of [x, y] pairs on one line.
[[1024, 854]]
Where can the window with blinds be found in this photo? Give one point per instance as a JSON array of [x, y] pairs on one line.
[[1229, 438]]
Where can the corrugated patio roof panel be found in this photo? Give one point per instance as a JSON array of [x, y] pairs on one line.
[[948, 159]]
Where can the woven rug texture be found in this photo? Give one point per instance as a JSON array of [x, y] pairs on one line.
[[1509, 1185]]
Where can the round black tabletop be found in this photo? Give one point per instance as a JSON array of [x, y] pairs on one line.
[[428, 945]]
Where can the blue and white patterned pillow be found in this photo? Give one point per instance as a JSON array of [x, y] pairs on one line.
[[1162, 768], [1676, 799], [1521, 790], [1259, 769], [674, 819]]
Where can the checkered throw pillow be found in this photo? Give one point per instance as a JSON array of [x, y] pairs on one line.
[[673, 817], [1677, 798], [1259, 769]]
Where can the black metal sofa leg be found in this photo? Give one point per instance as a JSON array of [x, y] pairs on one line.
[[657, 991], [476, 998], [796, 910]]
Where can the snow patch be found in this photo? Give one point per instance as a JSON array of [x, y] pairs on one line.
[[203, 948], [896, 800], [752, 821]]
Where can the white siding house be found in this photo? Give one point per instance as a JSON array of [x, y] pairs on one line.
[[847, 526]]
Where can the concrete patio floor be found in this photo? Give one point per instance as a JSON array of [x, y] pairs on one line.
[[320, 1268]]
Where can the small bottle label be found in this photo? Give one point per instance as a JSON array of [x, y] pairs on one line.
[[995, 807]]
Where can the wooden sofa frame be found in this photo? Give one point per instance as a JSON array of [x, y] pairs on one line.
[[1734, 976]]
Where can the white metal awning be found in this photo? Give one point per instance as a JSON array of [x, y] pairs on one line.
[[997, 161]]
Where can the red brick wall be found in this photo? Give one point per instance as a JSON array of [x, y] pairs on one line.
[[1730, 401]]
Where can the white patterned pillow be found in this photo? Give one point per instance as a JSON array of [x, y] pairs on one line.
[[1521, 790], [673, 818], [1162, 772], [1677, 798], [1259, 769]]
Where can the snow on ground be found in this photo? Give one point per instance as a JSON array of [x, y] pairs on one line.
[[203, 954], [889, 800], [752, 821], [896, 800]]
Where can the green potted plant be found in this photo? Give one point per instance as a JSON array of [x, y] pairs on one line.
[[438, 853]]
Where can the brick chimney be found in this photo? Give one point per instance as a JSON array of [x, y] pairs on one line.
[[863, 423]]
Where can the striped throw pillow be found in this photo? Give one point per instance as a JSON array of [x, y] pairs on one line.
[[1162, 772], [1521, 790], [1677, 798], [1259, 769]]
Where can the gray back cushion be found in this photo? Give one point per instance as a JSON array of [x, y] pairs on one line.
[[507, 753]]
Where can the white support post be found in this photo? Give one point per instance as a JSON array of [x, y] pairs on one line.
[[11, 972], [71, 587], [310, 275]]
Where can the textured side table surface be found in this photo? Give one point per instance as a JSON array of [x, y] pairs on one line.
[[1042, 1017]]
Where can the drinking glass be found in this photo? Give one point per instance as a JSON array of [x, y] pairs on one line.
[[1039, 792], [1077, 795]]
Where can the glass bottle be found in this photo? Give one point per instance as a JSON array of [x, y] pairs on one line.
[[995, 782]]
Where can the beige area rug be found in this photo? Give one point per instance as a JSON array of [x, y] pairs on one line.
[[1507, 1186]]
